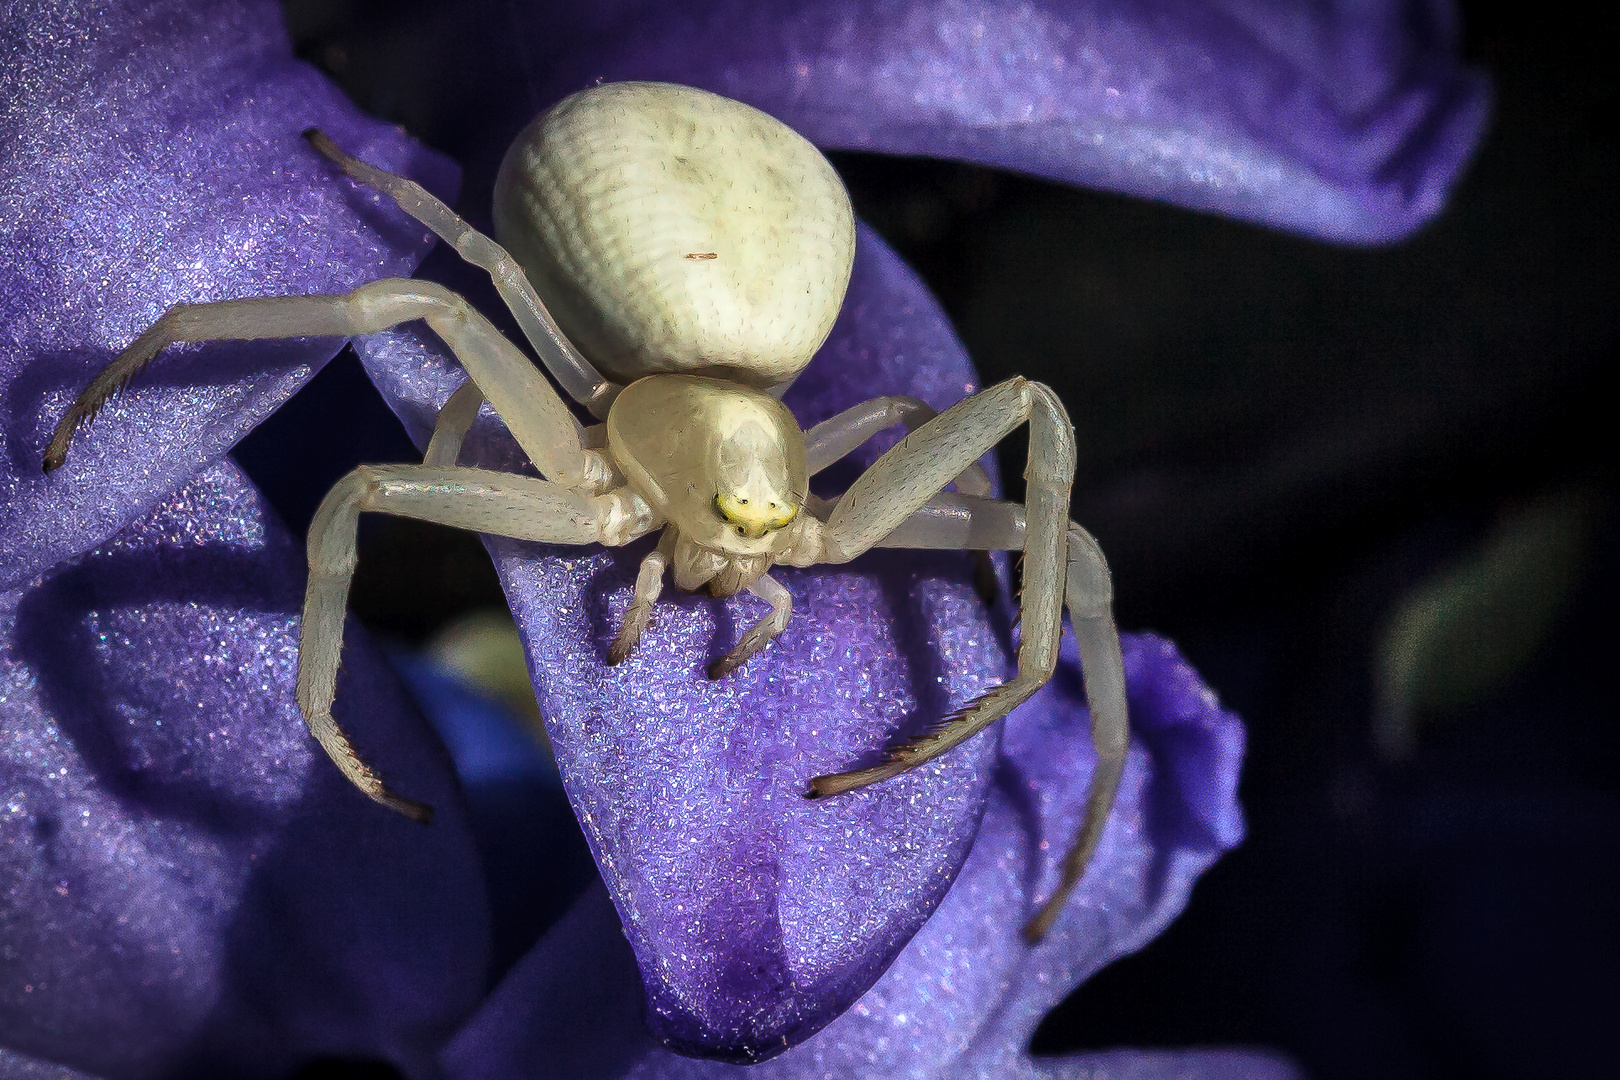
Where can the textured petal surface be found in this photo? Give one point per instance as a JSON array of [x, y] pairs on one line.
[[150, 155], [1348, 119], [188, 882], [965, 995], [1211, 1064], [14, 1066], [757, 915]]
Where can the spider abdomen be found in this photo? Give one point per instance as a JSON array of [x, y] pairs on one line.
[[673, 230]]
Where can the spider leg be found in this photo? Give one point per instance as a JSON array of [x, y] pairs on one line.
[[760, 634], [914, 470], [531, 409], [490, 502], [894, 504], [1089, 593], [953, 522], [837, 436], [455, 419], [572, 371], [649, 584]]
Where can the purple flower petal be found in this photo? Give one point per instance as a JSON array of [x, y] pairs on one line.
[[150, 155], [1177, 812], [964, 997], [14, 1066], [757, 915], [1348, 120], [189, 883], [1200, 1064]]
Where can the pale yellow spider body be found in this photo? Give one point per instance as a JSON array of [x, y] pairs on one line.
[[693, 254]]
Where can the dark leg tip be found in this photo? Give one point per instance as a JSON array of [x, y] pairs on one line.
[[825, 787], [419, 812], [324, 144]]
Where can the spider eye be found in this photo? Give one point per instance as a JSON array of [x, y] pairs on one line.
[[753, 521]]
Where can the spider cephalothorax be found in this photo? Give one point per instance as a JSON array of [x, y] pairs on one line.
[[695, 253]]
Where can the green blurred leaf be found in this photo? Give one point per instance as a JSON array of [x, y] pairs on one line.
[[1449, 643]]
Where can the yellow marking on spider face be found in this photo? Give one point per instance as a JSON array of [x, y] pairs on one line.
[[754, 517]]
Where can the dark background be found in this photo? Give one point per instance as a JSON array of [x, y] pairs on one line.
[[1281, 443]]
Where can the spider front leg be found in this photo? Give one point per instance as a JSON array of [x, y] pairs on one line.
[[502, 504], [531, 409], [566, 510], [649, 586], [913, 471], [891, 505], [957, 522], [837, 436]]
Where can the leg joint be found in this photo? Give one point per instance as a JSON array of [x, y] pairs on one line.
[[1090, 586], [1051, 439], [623, 516]]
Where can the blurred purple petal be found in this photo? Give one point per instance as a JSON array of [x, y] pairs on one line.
[[1177, 812], [1348, 120], [757, 915], [534, 859], [189, 883], [14, 1066], [1200, 1064], [150, 155], [964, 997]]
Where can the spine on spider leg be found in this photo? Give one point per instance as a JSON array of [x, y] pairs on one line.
[[111, 380], [1048, 476]]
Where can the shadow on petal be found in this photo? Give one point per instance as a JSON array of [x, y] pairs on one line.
[[195, 888], [154, 158]]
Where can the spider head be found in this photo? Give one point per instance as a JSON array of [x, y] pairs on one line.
[[723, 462], [758, 482]]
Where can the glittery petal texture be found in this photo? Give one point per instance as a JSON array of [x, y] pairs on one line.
[[191, 888], [189, 883], [1347, 120], [150, 155], [758, 915], [15, 1066], [963, 998]]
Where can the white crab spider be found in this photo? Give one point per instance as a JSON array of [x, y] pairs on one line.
[[698, 251]]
